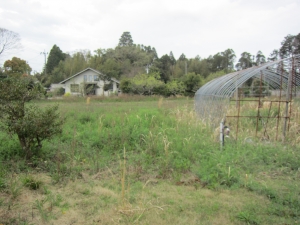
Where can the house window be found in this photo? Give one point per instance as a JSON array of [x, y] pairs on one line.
[[85, 78], [96, 78], [74, 87], [90, 78]]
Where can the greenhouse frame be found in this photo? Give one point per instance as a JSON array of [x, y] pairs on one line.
[[279, 80]]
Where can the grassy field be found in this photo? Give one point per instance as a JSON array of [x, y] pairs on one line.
[[147, 161]]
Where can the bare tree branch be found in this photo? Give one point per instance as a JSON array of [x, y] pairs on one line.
[[9, 41]]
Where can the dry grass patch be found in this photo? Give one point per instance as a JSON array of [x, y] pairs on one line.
[[94, 201]]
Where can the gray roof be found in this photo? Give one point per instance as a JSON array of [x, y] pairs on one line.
[[96, 71]]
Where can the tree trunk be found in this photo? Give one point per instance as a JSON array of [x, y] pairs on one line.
[[25, 146]]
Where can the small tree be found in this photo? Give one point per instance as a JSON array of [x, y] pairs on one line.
[[145, 84], [126, 85], [175, 87], [16, 67], [192, 82], [30, 123]]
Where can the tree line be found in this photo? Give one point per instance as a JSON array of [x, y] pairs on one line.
[[141, 71]]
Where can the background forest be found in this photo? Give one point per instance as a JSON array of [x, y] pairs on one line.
[[142, 72]]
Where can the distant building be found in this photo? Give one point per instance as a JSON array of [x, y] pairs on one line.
[[88, 82]]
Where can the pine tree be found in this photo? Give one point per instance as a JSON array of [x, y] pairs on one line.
[[126, 39], [55, 56], [260, 58], [286, 49]]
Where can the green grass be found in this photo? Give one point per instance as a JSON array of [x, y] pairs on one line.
[[174, 171]]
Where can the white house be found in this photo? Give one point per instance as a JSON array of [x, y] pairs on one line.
[[90, 82]]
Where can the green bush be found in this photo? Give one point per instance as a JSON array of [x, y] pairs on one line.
[[30, 123]]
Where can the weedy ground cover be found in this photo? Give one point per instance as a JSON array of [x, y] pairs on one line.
[[146, 161]]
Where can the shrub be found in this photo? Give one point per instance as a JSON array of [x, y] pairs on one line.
[[31, 124], [60, 91]]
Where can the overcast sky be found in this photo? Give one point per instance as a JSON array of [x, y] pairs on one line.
[[192, 27]]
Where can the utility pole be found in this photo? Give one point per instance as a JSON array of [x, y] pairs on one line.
[[45, 55]]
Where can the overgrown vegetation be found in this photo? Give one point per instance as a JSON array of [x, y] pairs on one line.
[[146, 161]]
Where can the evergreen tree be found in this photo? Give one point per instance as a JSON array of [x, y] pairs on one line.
[[260, 58], [125, 40], [218, 62], [286, 49], [155, 56], [70, 66], [173, 60], [245, 61], [228, 59], [182, 57], [296, 44], [274, 55], [55, 56], [195, 65], [164, 67]]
